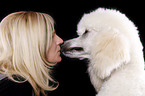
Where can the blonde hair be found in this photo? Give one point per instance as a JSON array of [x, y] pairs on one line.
[[25, 38]]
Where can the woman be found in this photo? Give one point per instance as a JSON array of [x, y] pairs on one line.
[[29, 48]]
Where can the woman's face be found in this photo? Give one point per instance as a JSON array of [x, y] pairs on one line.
[[53, 54]]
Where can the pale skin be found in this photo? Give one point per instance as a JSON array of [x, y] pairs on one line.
[[53, 55]]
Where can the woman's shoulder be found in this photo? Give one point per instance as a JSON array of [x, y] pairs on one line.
[[11, 88]]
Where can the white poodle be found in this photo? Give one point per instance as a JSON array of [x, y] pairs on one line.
[[111, 43]]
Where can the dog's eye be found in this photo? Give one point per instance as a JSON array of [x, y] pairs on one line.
[[86, 31]]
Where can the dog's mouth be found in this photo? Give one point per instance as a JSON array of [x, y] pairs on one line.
[[73, 49], [74, 52]]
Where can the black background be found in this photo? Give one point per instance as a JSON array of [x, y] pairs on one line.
[[71, 73]]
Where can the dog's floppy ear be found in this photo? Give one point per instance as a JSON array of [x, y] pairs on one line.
[[110, 51]]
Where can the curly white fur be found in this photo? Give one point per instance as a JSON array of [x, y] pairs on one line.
[[111, 42]]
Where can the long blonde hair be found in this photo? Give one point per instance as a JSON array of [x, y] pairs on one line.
[[25, 37]]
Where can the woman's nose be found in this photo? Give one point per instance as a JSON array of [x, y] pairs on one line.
[[60, 41]]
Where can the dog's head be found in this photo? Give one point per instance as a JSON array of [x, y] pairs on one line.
[[104, 37]]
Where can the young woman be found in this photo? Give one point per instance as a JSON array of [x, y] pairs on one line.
[[29, 48]]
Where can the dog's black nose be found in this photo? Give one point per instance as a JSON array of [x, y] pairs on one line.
[[65, 47]]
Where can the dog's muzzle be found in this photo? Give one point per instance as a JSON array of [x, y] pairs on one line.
[[67, 49], [73, 50]]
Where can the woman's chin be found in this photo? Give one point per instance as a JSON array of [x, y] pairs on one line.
[[59, 59]]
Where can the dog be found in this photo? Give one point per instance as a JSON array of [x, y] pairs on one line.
[[111, 43]]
